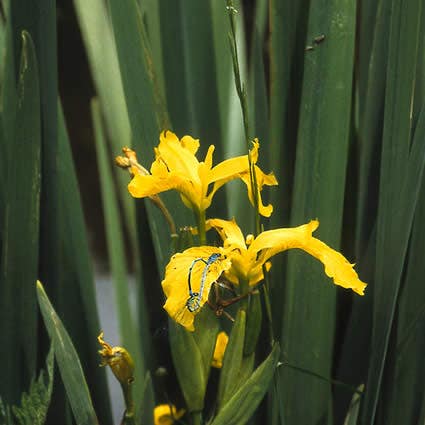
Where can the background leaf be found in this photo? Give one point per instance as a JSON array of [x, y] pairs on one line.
[[34, 405], [68, 362], [397, 168], [309, 314], [18, 308], [128, 330]]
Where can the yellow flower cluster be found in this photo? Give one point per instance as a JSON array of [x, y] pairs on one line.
[[176, 167], [190, 275]]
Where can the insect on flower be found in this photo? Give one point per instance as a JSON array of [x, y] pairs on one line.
[[189, 277], [193, 303]]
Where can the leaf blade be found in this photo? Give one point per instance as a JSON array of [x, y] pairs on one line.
[[68, 362]]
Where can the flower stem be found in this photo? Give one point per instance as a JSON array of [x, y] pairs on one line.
[[196, 418], [168, 217], [240, 89], [244, 288], [268, 307], [201, 228], [128, 418]]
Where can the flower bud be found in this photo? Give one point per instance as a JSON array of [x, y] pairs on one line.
[[118, 359], [220, 348], [165, 414]]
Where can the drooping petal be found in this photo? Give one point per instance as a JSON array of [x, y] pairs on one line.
[[269, 243], [261, 180], [143, 186], [336, 265], [238, 167], [162, 180], [176, 281]]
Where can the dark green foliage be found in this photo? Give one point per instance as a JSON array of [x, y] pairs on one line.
[[20, 230], [68, 362], [336, 95], [34, 405]]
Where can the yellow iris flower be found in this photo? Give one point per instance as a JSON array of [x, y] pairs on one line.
[[164, 415], [176, 167], [249, 255], [176, 282], [242, 259]]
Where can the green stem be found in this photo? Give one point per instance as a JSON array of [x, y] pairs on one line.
[[129, 404], [240, 89], [244, 290], [324, 378], [196, 418], [267, 304], [201, 228]]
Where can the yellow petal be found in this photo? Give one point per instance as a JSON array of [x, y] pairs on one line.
[[178, 157], [336, 265], [261, 180], [229, 169], [220, 348], [176, 285], [234, 244], [238, 167], [229, 231], [204, 172], [274, 241], [142, 186], [164, 415], [189, 143], [209, 157]]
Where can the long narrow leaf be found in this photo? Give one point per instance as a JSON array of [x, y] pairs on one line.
[[69, 363], [399, 176], [18, 305], [240, 407], [80, 311], [322, 153], [143, 105]]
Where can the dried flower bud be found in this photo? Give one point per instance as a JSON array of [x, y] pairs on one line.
[[118, 359], [122, 162], [129, 153]]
